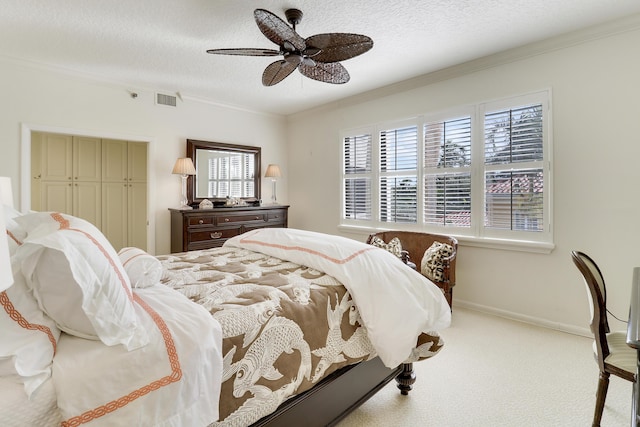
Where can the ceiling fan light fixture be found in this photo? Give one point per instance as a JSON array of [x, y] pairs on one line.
[[293, 58]]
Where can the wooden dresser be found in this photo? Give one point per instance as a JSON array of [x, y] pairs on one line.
[[209, 228]]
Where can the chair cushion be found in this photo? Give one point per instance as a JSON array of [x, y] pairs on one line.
[[394, 246], [432, 266], [620, 354]]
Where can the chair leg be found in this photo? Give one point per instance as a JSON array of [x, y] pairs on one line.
[[601, 395]]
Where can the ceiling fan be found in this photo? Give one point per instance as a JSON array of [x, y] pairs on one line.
[[317, 57]]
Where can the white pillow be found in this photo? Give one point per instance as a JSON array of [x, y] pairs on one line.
[[28, 337], [144, 270], [78, 279]]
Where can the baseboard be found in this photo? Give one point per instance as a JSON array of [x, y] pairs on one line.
[[562, 327]]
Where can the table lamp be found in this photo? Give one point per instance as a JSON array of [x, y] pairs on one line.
[[273, 172], [184, 167]]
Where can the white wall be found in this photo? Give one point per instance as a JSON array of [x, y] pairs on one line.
[[596, 173], [38, 98]]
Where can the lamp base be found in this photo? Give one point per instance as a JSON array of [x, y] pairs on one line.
[[183, 200], [274, 201]]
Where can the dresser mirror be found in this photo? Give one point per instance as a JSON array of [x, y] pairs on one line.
[[223, 171]]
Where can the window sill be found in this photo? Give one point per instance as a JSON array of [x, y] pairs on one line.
[[471, 241]]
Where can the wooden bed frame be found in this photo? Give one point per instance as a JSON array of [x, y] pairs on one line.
[[336, 396]]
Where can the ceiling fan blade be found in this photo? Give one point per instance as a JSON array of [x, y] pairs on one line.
[[245, 52], [336, 47], [276, 30], [277, 71], [332, 72]]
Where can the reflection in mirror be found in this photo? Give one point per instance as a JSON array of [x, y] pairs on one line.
[[223, 170]]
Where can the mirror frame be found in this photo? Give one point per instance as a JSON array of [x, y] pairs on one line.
[[193, 145]]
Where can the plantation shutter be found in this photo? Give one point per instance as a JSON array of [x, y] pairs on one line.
[[447, 172], [357, 177], [514, 180], [398, 175]]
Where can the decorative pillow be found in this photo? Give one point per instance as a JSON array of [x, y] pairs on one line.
[[144, 270], [78, 279], [28, 337], [431, 265], [394, 246]]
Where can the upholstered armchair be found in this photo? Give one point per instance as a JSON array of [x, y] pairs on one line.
[[415, 244]]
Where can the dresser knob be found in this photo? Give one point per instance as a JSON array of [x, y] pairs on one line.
[[216, 235], [257, 217], [226, 220], [200, 221]]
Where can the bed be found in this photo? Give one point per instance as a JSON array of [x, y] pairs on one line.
[[275, 327]]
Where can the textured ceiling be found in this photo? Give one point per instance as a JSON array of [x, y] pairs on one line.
[[160, 45]]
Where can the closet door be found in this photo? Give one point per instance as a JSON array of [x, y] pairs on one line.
[[137, 193]]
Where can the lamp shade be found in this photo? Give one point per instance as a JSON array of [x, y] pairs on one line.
[[184, 166], [6, 276], [273, 171], [6, 195]]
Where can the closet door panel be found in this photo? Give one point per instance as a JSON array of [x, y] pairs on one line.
[[137, 215], [56, 157], [137, 162], [87, 159], [114, 160], [56, 196], [114, 213], [87, 201]]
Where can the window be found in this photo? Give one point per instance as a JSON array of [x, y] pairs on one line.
[[480, 171]]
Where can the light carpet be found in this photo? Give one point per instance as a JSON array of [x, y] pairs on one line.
[[498, 372]]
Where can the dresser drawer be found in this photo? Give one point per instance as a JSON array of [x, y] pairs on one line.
[[241, 218], [212, 234], [278, 216], [201, 220]]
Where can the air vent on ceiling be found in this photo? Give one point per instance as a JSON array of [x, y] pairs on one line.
[[163, 99]]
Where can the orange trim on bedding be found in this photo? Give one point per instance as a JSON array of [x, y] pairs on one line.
[[65, 225], [133, 257], [310, 251], [176, 375], [17, 317], [10, 234]]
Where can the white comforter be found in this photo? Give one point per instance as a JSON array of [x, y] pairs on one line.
[[173, 381], [396, 303]]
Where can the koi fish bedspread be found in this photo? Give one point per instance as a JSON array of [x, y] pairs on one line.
[[287, 321]]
